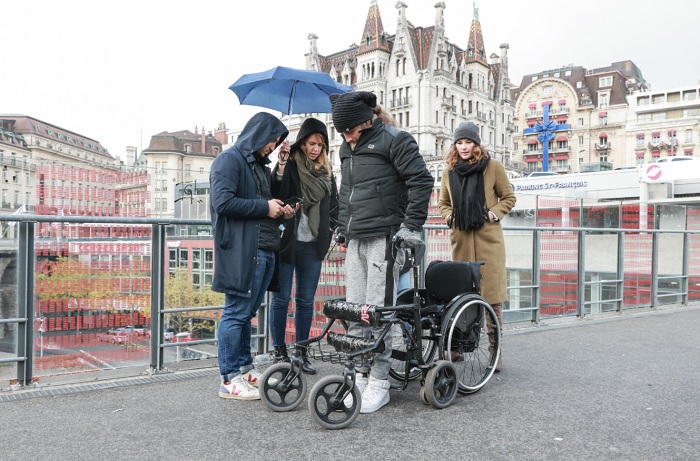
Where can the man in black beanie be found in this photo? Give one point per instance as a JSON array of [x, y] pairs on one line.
[[384, 194]]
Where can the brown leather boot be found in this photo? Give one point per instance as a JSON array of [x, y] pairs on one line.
[[499, 314]]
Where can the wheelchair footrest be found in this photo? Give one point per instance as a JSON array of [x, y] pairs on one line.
[[347, 343]]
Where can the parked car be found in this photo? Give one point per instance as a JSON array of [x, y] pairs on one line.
[[674, 159], [118, 336], [169, 333], [183, 337], [139, 331]]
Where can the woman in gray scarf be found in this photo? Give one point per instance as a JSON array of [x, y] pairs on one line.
[[303, 173]]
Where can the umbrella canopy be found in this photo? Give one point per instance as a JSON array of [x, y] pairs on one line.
[[288, 90]]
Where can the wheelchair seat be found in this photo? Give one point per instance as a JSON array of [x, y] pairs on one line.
[[445, 280]]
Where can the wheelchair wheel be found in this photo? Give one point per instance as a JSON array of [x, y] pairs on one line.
[[328, 411], [471, 340], [398, 367], [280, 389], [441, 384]]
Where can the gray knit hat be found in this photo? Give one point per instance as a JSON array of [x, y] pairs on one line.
[[469, 131], [352, 109]]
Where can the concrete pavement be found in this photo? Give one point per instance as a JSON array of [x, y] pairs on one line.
[[621, 387]]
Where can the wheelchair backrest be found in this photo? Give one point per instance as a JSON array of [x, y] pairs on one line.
[[446, 279]]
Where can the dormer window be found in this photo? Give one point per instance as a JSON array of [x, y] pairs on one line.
[[188, 148]]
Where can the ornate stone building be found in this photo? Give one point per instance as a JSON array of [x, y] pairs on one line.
[[427, 82], [590, 112]]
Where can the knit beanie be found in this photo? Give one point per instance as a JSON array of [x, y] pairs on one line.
[[309, 127], [352, 109], [469, 131]]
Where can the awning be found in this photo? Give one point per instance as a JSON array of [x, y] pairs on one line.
[[532, 106], [561, 157], [602, 114], [603, 135], [655, 153], [561, 118], [563, 138], [655, 133], [531, 122], [532, 141], [640, 135], [547, 103], [530, 159], [671, 132], [688, 151], [562, 101], [639, 154]]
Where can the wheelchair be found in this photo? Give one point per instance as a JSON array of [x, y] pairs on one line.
[[446, 334]]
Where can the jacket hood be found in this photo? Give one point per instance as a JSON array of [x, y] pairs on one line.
[[260, 130], [309, 127]]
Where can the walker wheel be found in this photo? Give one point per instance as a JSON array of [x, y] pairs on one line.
[[281, 389], [330, 410], [423, 397], [441, 384]]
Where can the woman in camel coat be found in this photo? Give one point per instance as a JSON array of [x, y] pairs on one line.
[[475, 195]]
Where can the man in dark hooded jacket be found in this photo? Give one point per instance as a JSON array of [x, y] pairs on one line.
[[246, 236]]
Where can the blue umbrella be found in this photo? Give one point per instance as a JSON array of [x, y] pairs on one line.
[[288, 90]]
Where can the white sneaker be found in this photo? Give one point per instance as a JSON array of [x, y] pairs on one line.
[[238, 389], [361, 382], [375, 396], [253, 377]]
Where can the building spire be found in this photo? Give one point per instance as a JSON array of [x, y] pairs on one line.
[[373, 36], [476, 51]]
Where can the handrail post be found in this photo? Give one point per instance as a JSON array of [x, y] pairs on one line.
[[581, 273], [25, 302], [654, 269], [686, 268], [157, 294], [536, 241], [620, 271]]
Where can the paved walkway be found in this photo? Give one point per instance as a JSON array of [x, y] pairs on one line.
[[617, 388]]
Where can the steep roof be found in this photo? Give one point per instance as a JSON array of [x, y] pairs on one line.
[[374, 37], [24, 124], [422, 40], [476, 51], [177, 140]]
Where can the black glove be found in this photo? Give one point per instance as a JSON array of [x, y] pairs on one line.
[[406, 238]]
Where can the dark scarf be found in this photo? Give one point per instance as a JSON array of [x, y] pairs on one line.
[[315, 185], [468, 195]]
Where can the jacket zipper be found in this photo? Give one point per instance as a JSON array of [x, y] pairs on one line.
[[352, 191]]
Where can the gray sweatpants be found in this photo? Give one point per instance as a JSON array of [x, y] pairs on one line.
[[365, 266]]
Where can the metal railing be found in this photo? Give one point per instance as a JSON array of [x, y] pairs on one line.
[[552, 271]]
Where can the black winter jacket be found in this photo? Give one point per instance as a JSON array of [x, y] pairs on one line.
[[237, 207], [290, 186], [384, 183]]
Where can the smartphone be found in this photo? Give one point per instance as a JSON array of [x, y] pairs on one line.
[[293, 201]]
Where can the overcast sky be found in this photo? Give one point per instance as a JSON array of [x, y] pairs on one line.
[[121, 71]]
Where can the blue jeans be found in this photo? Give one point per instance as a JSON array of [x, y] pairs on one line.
[[308, 269], [234, 327]]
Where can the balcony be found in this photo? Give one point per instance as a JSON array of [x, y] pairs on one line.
[[604, 147], [400, 102]]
